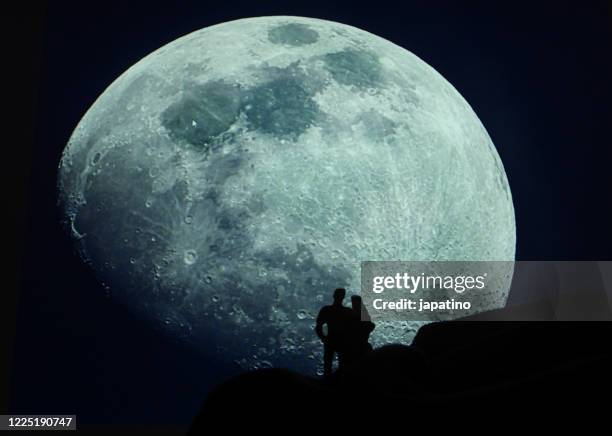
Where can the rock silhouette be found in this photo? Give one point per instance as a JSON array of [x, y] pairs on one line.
[[454, 372]]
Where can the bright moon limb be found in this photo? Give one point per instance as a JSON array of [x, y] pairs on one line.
[[225, 184]]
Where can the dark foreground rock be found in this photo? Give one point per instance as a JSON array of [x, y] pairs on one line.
[[455, 373]]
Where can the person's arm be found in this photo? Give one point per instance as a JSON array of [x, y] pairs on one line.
[[319, 327], [370, 326]]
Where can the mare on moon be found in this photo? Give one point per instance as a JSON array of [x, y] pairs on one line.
[[225, 184]]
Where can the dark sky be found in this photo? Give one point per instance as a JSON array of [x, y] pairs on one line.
[[538, 77]]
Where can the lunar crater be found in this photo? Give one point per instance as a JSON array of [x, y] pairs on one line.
[[360, 68], [203, 113], [293, 34]]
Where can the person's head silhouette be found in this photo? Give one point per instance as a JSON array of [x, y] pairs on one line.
[[356, 303], [339, 295]]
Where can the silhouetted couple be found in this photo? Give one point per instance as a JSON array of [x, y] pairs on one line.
[[348, 331]]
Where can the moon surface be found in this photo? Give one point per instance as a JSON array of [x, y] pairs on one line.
[[225, 184]]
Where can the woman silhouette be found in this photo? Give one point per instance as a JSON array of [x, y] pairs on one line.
[[359, 332]]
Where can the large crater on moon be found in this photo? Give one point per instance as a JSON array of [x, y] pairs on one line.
[[224, 185]]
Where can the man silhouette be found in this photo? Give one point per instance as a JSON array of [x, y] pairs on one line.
[[337, 317]]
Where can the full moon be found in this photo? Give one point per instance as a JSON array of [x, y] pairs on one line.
[[225, 184]]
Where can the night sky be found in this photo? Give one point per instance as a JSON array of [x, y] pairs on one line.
[[538, 77]]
